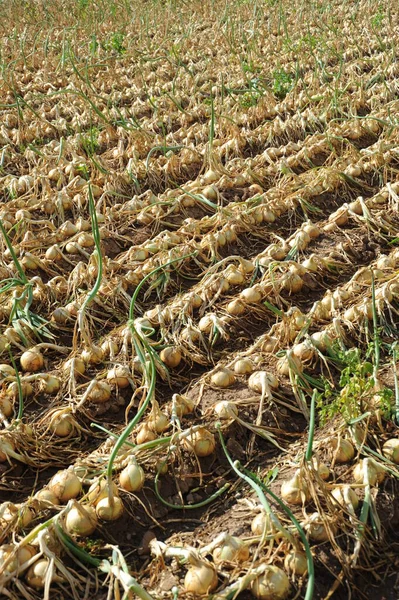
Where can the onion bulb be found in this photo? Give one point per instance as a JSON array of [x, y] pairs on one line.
[[65, 485], [345, 496], [21, 556], [171, 356], [391, 450], [295, 490], [13, 391], [251, 295], [232, 550], [145, 434], [50, 384], [369, 469], [81, 521], [225, 409], [119, 376], [6, 447], [234, 275], [322, 469], [262, 524], [296, 562], [235, 308], [257, 381], [273, 584], [201, 579], [182, 405], [94, 355], [99, 490], [74, 365], [243, 366], [223, 378], [46, 498], [132, 477], [158, 421], [201, 442], [343, 450], [6, 406], [37, 574], [109, 510], [62, 423], [288, 363], [317, 529], [99, 392], [32, 360]]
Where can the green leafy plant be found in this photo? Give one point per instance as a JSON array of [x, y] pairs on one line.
[[282, 83], [90, 142]]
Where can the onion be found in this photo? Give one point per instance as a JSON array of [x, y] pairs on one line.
[[13, 391], [246, 266], [6, 407], [32, 360], [343, 450], [206, 323], [288, 363], [158, 421], [345, 496], [99, 490], [93, 355], [234, 276], [21, 556], [311, 264], [132, 477], [62, 423], [321, 340], [37, 574], [391, 450], [81, 521], [367, 466], [201, 579], [50, 384], [119, 376], [256, 382], [19, 512], [6, 447], [210, 177], [76, 365], [201, 442], [235, 308], [232, 550], [223, 378], [262, 524], [251, 295], [295, 490], [46, 498], [225, 409], [292, 282], [243, 366], [316, 528], [65, 485], [322, 469], [109, 510], [109, 348], [145, 434], [304, 351], [171, 356], [312, 230], [99, 393], [273, 584], [296, 562], [182, 405]]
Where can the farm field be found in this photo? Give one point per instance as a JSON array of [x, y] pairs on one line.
[[199, 300]]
